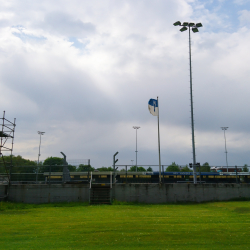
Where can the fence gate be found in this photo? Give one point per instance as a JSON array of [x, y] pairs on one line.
[[100, 193]]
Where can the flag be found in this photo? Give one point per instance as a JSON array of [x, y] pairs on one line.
[[153, 107]]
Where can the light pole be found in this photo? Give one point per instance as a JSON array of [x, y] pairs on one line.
[[136, 128], [194, 27], [225, 128], [40, 133], [132, 162]]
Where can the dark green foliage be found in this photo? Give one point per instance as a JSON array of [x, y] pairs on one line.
[[186, 169], [245, 168], [173, 168], [205, 167], [71, 168], [20, 206], [139, 169], [20, 165], [102, 169], [52, 161], [19, 161], [150, 169], [84, 168], [55, 164]]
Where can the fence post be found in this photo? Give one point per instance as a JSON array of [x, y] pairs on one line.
[[36, 173], [110, 179], [163, 173], [49, 173], [126, 174], [236, 175]]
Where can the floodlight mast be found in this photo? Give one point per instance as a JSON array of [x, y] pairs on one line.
[[194, 29], [40, 133], [136, 128], [225, 128]]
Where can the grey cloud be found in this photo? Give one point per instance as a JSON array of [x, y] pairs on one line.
[[64, 24], [71, 92], [148, 62]]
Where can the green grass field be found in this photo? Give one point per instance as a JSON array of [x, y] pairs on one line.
[[219, 225]]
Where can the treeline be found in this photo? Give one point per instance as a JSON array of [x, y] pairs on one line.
[[176, 168], [55, 164]]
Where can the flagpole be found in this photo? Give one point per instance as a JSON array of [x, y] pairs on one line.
[[159, 141]]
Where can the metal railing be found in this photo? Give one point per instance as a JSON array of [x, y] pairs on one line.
[[123, 174]]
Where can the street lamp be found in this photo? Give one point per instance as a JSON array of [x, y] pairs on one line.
[[225, 128], [40, 133], [136, 127], [194, 27]]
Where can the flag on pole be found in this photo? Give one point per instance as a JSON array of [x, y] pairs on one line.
[[153, 107]]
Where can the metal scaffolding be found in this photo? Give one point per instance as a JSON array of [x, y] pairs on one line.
[[6, 145]]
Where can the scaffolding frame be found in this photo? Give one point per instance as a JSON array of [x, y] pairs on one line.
[[6, 143]]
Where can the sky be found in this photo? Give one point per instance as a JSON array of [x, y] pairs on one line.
[[84, 71]]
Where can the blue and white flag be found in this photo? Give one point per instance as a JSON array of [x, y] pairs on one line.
[[153, 107]]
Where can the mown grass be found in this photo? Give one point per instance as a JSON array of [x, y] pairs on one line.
[[219, 225]]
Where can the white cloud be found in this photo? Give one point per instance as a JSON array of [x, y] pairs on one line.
[[244, 17]]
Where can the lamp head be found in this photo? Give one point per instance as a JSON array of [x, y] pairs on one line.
[[195, 30], [183, 29], [177, 23], [185, 24], [191, 24], [198, 25]]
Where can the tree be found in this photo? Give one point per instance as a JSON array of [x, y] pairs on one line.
[[150, 169], [20, 165], [245, 168], [102, 169], [186, 169], [139, 169], [57, 165], [173, 167], [84, 168], [52, 161], [205, 167]]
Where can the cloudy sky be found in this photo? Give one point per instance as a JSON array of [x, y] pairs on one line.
[[83, 72]]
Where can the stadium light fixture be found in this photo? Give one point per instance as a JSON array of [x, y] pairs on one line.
[[195, 30], [177, 23], [185, 26], [183, 29]]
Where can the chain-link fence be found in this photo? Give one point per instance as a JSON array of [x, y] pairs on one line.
[[44, 174], [123, 174]]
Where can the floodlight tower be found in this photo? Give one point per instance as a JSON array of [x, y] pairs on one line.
[[40, 133], [136, 128], [194, 27], [225, 128]]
